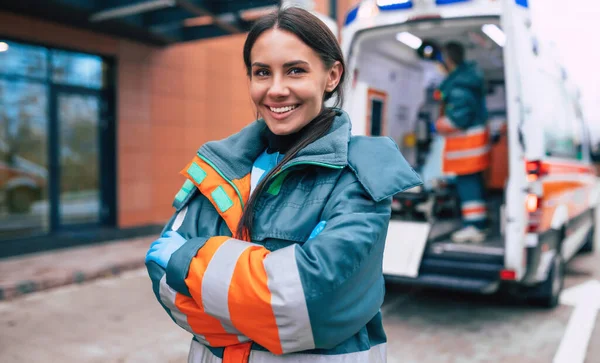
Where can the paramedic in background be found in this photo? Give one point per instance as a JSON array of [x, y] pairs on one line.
[[463, 123]]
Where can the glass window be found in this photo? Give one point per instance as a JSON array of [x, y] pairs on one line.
[[78, 116], [23, 60], [77, 69], [561, 137], [28, 102], [23, 164]]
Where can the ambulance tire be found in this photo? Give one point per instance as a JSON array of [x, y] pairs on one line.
[[547, 293]]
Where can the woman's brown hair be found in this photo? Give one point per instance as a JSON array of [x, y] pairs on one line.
[[314, 33]]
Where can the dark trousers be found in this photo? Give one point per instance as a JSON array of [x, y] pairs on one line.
[[471, 191]]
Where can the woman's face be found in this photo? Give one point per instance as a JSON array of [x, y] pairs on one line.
[[288, 81]]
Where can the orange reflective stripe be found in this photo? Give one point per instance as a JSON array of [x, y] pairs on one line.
[[474, 210], [468, 165], [457, 147], [464, 141], [200, 263], [211, 182], [239, 353], [199, 321], [250, 300], [204, 324]]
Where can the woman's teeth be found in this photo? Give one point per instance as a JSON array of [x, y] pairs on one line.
[[282, 109]]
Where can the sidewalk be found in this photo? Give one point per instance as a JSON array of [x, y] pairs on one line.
[[25, 274]]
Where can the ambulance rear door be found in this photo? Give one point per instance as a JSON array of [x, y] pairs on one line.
[[523, 143]]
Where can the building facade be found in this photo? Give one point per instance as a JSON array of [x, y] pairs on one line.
[[94, 128]]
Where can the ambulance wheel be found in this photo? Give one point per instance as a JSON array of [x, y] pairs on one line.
[[547, 293]]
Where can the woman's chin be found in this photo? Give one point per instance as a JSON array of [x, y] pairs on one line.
[[281, 129]]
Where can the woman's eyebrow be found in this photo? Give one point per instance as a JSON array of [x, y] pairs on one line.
[[285, 65], [294, 63], [258, 64]]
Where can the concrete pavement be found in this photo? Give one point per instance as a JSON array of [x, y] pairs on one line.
[[118, 320], [109, 320], [29, 273]]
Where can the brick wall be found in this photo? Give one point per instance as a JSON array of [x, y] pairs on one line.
[[172, 101]]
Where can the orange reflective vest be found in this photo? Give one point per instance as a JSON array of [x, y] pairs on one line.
[[465, 151]]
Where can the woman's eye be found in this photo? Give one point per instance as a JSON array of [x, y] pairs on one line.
[[296, 71], [261, 73]]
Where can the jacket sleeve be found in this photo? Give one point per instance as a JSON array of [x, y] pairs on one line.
[[461, 107], [182, 309], [314, 295]]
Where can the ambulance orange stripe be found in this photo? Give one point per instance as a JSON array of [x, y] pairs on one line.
[[562, 167], [199, 321], [250, 300]]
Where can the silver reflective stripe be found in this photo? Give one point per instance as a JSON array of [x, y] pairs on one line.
[[474, 216], [167, 296], [376, 354], [217, 279], [467, 153], [288, 300], [472, 204], [473, 131], [200, 354]]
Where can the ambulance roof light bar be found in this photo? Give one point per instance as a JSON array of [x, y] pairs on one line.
[[394, 4], [448, 2]]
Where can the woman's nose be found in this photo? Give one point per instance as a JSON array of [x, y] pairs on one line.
[[278, 88]]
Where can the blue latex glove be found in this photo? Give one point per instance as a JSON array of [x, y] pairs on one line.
[[161, 250], [320, 227]]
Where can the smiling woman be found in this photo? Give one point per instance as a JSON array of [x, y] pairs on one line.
[[276, 244], [289, 92]]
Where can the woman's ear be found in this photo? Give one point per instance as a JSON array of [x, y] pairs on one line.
[[334, 76]]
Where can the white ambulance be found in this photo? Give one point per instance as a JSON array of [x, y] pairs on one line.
[[541, 186]]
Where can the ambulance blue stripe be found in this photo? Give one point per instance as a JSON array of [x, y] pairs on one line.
[[523, 3], [352, 14]]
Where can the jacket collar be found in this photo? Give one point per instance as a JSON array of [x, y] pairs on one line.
[[235, 155]]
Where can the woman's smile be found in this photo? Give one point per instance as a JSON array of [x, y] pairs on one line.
[[281, 113]]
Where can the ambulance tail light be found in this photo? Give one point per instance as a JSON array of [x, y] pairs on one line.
[[508, 275], [533, 204], [535, 169]]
